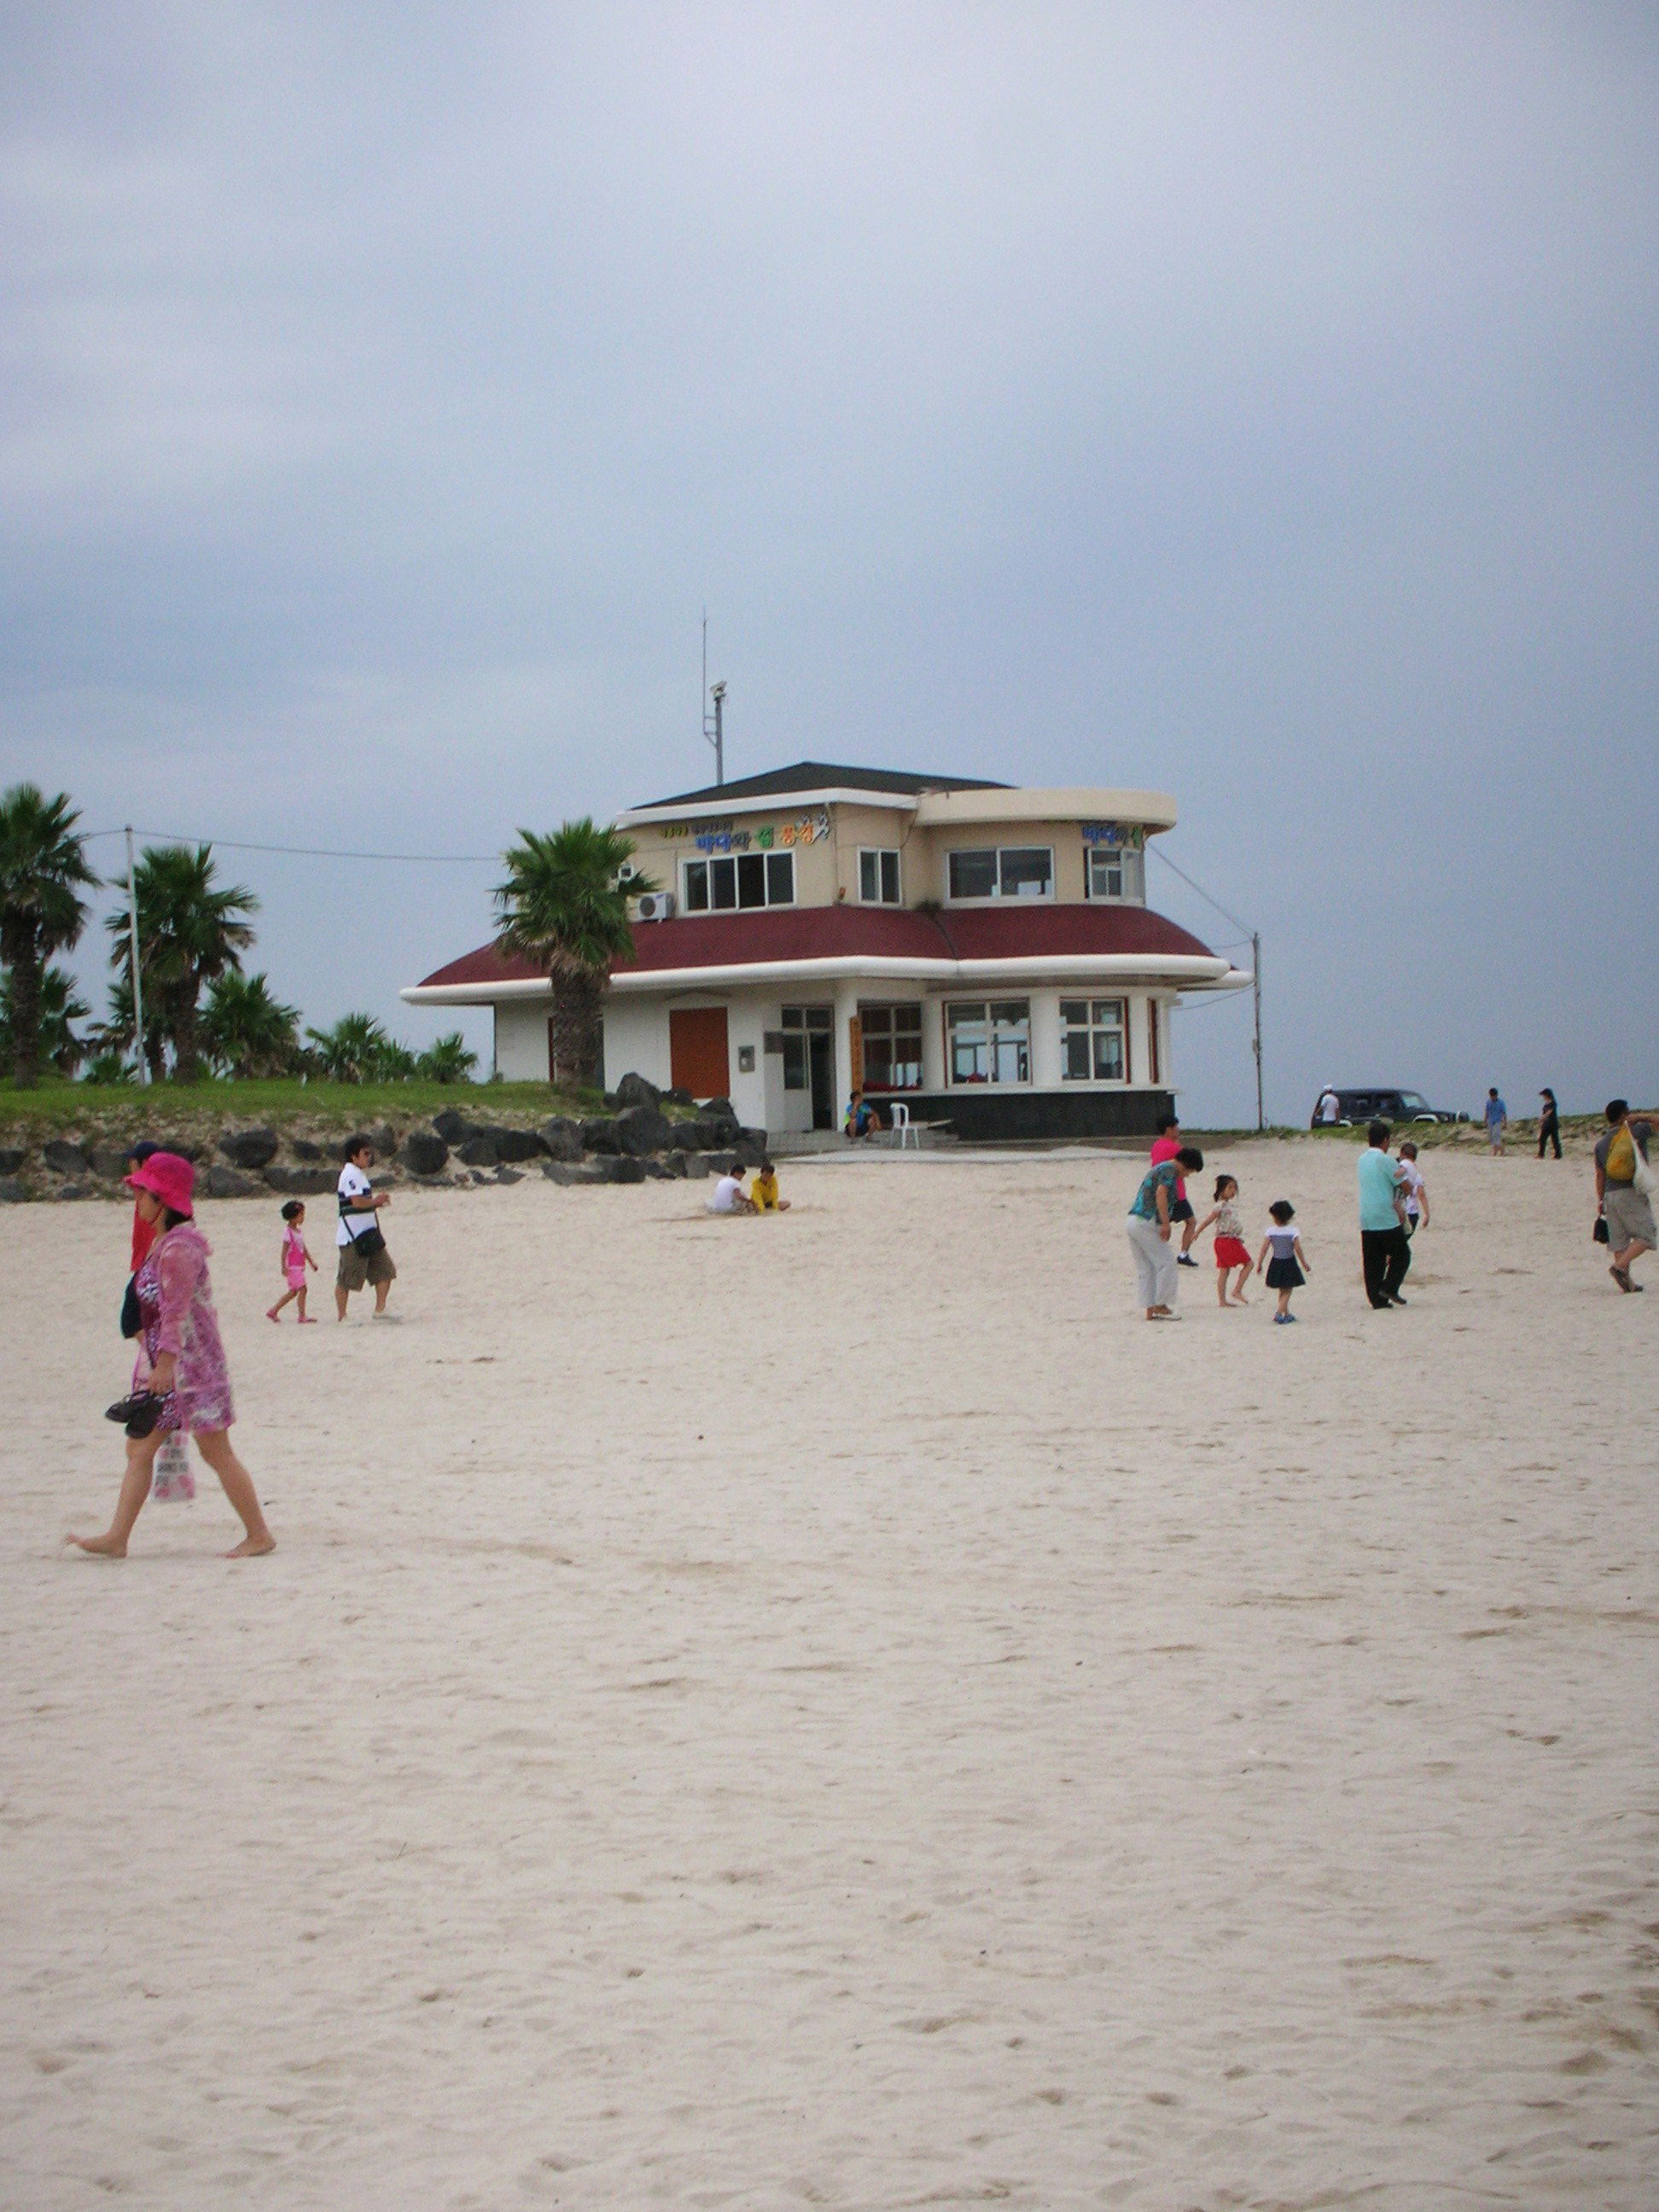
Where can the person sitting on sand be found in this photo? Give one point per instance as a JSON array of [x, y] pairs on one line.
[[1230, 1250], [763, 1191], [186, 1363], [727, 1197], [361, 1246]]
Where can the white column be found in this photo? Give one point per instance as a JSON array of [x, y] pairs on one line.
[[1045, 1040], [847, 1006]]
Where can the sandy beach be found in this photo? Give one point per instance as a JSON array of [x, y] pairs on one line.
[[835, 1710]]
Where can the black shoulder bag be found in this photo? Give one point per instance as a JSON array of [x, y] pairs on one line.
[[371, 1241]]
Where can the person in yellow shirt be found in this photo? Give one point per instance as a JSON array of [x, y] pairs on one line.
[[763, 1191]]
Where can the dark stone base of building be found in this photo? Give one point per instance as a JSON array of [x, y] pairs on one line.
[[993, 1116]]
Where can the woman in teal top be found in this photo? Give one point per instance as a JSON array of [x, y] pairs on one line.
[[1149, 1232]]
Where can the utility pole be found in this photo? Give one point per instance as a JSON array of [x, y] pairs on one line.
[[1255, 967], [713, 725], [137, 987]]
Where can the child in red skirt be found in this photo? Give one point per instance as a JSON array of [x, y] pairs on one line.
[[1230, 1250]]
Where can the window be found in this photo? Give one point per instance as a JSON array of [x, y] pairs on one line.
[[892, 1047], [1091, 1040], [878, 878], [1117, 871], [990, 1043], [1004, 872], [745, 879]]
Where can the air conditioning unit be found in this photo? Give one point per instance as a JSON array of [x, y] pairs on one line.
[[652, 906]]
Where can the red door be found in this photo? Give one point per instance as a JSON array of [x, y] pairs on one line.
[[697, 1059]]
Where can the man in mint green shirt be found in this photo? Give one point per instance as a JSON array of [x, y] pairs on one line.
[[1384, 1246]]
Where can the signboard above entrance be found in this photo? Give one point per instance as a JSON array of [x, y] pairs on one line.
[[720, 836]]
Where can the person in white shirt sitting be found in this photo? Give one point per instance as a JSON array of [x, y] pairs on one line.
[[727, 1196]]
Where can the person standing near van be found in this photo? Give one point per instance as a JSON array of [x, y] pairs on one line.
[[1622, 1184], [361, 1247]]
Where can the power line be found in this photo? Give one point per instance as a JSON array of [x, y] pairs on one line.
[[309, 852], [1256, 969]]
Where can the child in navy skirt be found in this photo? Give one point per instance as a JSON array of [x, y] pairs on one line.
[[1285, 1267]]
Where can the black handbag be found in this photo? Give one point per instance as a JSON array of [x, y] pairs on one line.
[[1599, 1234], [132, 1318], [369, 1241]]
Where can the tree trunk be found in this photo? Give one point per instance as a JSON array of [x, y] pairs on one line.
[[574, 1028], [24, 960]]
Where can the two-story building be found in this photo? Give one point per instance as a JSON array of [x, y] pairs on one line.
[[984, 954]]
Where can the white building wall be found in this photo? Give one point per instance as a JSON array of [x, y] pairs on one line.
[[521, 1039], [636, 1040]]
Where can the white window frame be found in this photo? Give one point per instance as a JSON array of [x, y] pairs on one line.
[[1129, 861], [986, 1009], [999, 896], [879, 855], [708, 863], [1091, 1028]]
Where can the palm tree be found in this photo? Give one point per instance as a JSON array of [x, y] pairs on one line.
[[247, 1032], [353, 1051], [563, 905], [60, 1005], [190, 930], [446, 1060], [43, 866], [113, 1035]]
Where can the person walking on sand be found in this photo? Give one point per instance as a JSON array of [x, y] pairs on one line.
[[1624, 1190], [361, 1246], [1166, 1146], [1149, 1232], [185, 1356], [295, 1258], [1413, 1188], [1549, 1123], [1230, 1250], [1385, 1248], [1495, 1116], [1284, 1270]]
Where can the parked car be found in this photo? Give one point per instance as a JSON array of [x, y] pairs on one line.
[[1383, 1104]]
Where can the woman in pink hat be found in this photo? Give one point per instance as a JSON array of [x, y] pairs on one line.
[[180, 1335]]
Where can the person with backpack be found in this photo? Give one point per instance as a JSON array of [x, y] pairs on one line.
[[1623, 1189]]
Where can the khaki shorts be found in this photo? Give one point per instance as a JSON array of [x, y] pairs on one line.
[[1629, 1215], [355, 1270]]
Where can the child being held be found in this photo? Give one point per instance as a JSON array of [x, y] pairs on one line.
[[1230, 1250], [1415, 1190], [1284, 1268], [296, 1259]]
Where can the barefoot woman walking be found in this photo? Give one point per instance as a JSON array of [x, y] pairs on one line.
[[180, 1335]]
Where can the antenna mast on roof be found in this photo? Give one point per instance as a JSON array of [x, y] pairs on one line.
[[713, 725]]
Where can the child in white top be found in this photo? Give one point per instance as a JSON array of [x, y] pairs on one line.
[[1416, 1190], [1284, 1268], [1231, 1250]]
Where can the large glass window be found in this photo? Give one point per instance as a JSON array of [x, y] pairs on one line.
[[800, 1024], [1091, 1040], [878, 878], [741, 879], [1003, 872], [991, 1042], [1117, 871], [892, 1047]]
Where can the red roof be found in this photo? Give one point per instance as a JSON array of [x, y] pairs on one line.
[[1034, 931]]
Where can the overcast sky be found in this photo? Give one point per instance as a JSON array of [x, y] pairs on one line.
[[1252, 402]]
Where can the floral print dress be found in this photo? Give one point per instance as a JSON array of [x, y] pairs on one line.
[[175, 1301]]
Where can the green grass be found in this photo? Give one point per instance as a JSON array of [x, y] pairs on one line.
[[123, 1109]]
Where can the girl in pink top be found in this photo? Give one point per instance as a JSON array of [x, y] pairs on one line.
[[187, 1370], [296, 1258]]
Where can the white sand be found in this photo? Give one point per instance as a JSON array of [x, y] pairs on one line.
[[838, 1711]]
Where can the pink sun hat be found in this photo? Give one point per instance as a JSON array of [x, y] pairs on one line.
[[169, 1178]]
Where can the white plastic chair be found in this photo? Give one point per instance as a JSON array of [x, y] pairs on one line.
[[903, 1129]]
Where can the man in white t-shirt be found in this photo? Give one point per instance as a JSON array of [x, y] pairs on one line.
[[727, 1196], [363, 1257], [1330, 1108]]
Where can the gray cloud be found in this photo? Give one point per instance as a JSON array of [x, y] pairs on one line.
[[1254, 401]]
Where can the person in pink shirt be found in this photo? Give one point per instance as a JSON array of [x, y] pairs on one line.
[[1166, 1146], [296, 1259], [188, 1388]]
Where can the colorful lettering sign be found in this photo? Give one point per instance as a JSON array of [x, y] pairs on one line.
[[718, 836], [1120, 834]]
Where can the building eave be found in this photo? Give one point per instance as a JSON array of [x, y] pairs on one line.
[[1180, 972]]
